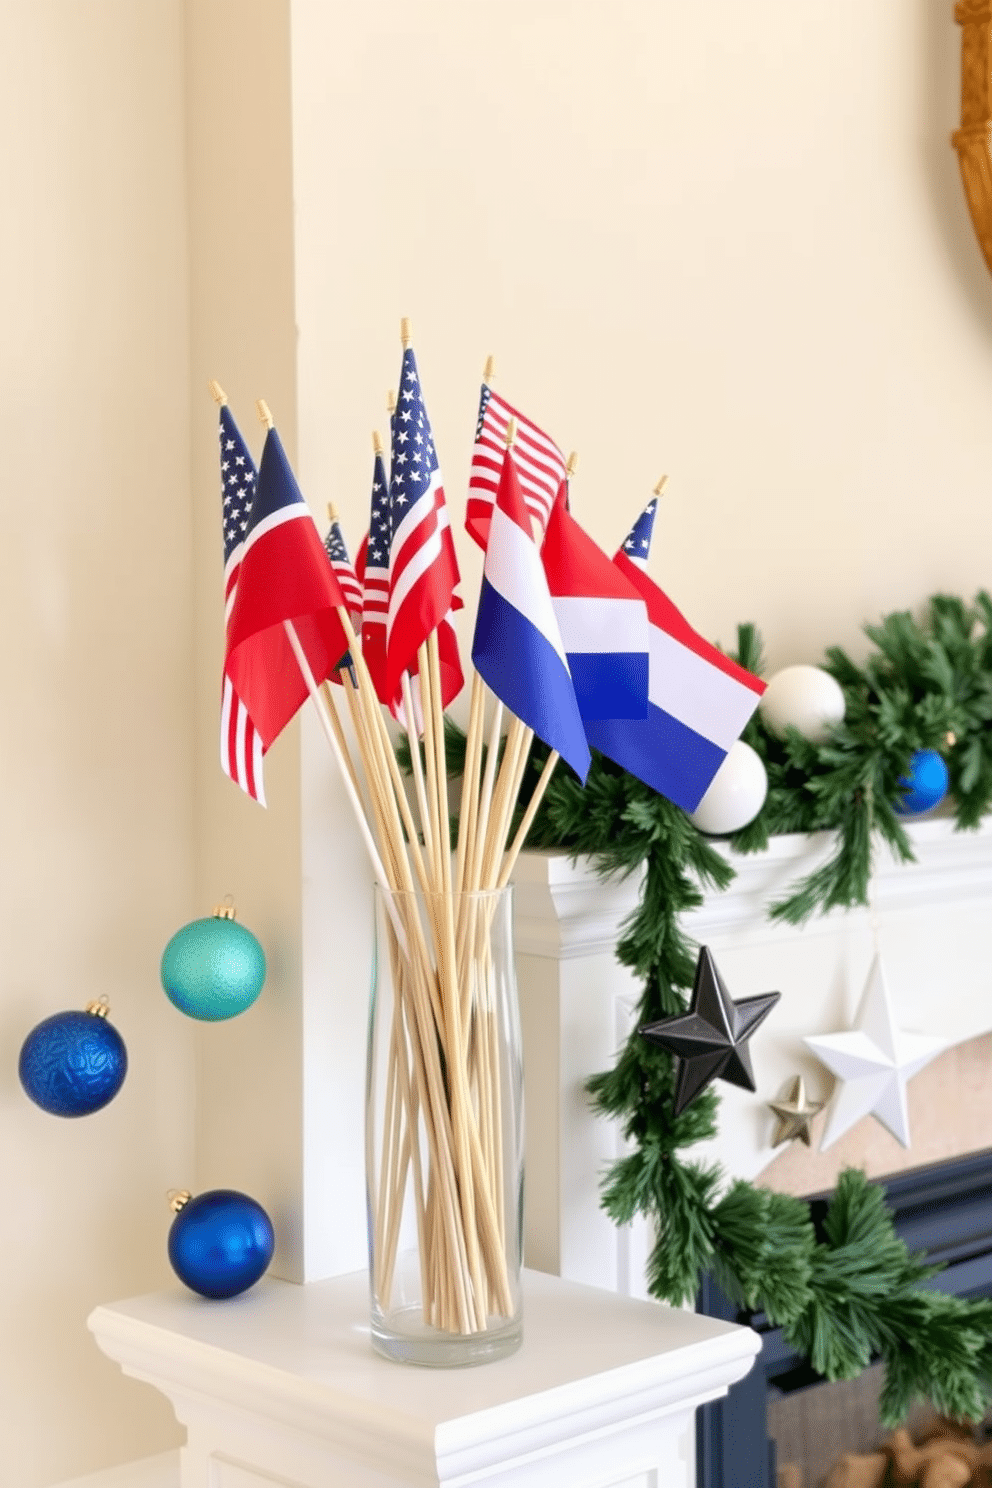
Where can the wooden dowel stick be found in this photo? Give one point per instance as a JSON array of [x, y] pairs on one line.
[[440, 757], [327, 726], [339, 731], [474, 867], [470, 780], [416, 764], [504, 799], [438, 828], [527, 820]]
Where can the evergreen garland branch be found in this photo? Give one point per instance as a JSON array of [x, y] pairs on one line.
[[850, 1293]]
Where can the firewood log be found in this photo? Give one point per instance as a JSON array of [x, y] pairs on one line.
[[944, 1461], [855, 1471], [946, 1471]]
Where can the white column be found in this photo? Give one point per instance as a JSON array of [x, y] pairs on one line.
[[576, 1005]]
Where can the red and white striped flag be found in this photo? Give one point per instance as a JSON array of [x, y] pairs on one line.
[[372, 569], [336, 551], [423, 570], [240, 746], [539, 462]]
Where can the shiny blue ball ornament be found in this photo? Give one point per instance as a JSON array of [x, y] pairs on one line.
[[220, 1242], [73, 1063], [924, 786], [213, 968]]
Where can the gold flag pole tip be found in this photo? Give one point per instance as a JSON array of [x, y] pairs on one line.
[[405, 331], [489, 370], [377, 438], [659, 488], [263, 412], [511, 432], [571, 464], [217, 392]]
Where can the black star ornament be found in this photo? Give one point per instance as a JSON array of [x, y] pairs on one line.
[[711, 1038]]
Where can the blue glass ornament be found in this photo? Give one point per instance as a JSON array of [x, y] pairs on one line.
[[213, 968], [220, 1242], [73, 1063], [924, 786]]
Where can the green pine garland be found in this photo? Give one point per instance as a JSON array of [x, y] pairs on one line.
[[851, 1293]]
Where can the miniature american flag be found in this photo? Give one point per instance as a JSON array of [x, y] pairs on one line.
[[540, 466], [423, 571], [342, 566], [374, 565], [240, 746]]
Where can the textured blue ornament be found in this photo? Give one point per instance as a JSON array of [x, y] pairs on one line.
[[220, 1243], [924, 786], [213, 968], [73, 1063]]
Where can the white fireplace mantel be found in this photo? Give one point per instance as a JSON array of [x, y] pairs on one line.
[[280, 1388], [929, 920]]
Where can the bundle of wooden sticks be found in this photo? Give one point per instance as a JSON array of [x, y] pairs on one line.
[[441, 1135]]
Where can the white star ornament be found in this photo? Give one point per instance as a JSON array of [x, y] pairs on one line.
[[873, 1063]]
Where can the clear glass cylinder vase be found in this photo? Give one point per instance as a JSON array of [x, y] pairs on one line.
[[444, 1129]]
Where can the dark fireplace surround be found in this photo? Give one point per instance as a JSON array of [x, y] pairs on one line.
[[944, 1209]]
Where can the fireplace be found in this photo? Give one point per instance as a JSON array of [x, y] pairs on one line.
[[944, 1209]]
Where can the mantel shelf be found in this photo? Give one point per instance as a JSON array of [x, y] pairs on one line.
[[950, 867], [281, 1386]]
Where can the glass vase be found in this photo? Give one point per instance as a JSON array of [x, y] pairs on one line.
[[444, 1129]]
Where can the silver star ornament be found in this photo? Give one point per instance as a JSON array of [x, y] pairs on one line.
[[873, 1063]]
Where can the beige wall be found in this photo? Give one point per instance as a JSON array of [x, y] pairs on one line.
[[96, 742], [724, 241]]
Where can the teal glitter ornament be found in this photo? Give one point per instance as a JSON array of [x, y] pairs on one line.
[[213, 968]]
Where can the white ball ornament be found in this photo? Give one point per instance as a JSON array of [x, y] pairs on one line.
[[736, 794], [804, 698]]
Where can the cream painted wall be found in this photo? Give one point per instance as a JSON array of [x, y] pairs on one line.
[[724, 241], [96, 746]]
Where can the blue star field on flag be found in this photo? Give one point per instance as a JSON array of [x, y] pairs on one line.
[[637, 544], [238, 476], [414, 456], [380, 525]]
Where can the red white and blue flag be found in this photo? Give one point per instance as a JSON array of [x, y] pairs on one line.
[[602, 618], [540, 466], [284, 576], [637, 543], [372, 568], [423, 571], [240, 746], [699, 702], [334, 546], [517, 649]]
